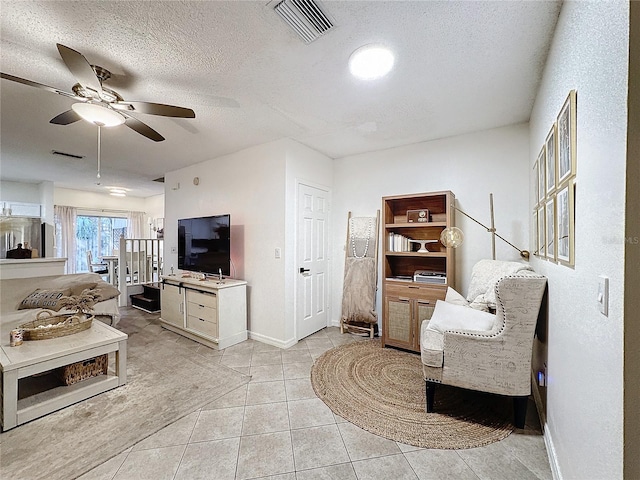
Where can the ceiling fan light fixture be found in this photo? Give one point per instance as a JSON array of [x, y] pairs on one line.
[[370, 62], [98, 114]]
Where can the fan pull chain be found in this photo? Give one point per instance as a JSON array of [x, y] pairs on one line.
[[99, 128]]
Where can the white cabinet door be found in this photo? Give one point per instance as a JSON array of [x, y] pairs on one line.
[[172, 304]]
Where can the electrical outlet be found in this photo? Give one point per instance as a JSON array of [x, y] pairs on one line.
[[603, 295]]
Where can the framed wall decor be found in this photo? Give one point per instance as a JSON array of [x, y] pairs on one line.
[[536, 186], [550, 153], [534, 229], [550, 220], [554, 175], [542, 189], [567, 133], [565, 224], [542, 251]]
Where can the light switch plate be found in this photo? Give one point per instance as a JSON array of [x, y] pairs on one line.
[[278, 252], [603, 295]]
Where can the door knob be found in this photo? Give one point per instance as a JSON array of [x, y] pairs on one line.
[[303, 270]]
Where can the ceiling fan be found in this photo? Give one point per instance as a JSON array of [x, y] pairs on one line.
[[98, 104]]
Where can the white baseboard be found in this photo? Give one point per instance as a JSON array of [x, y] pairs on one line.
[[232, 340], [548, 441], [551, 452], [272, 341]]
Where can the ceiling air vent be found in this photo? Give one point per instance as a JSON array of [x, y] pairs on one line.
[[65, 154], [305, 17]]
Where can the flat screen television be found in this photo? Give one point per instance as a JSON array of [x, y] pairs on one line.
[[204, 244]]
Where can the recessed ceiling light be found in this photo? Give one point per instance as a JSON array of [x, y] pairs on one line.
[[117, 192], [370, 62]]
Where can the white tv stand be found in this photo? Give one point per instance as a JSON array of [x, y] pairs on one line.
[[211, 311]]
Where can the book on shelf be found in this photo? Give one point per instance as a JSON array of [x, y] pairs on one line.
[[401, 278], [399, 243]]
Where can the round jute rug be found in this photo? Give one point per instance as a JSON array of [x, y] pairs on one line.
[[382, 391]]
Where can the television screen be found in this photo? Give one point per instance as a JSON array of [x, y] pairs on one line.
[[204, 244]]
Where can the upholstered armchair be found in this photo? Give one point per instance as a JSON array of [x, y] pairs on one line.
[[468, 348]]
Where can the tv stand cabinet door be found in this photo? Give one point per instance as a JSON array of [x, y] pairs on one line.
[[172, 304]]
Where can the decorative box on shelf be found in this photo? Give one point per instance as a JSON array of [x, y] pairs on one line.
[[418, 216]]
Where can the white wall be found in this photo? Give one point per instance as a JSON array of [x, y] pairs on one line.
[[19, 192], [97, 201], [471, 166], [250, 186], [38, 193], [257, 186], [632, 258], [589, 53], [154, 209]]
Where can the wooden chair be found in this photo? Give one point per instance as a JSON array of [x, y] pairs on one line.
[[99, 268]]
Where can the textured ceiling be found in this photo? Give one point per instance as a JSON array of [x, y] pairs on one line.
[[461, 66]]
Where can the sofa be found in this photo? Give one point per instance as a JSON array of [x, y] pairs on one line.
[[21, 299]]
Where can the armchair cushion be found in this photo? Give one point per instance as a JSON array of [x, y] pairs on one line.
[[448, 316], [431, 346]]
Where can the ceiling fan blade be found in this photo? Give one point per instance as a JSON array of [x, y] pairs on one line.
[[65, 118], [24, 81], [143, 129], [80, 68], [155, 109]]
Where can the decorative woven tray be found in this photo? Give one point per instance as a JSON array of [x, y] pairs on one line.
[[46, 325]]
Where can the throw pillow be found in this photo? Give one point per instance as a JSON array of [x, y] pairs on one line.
[[105, 291], [447, 316], [49, 299], [78, 289], [455, 298]]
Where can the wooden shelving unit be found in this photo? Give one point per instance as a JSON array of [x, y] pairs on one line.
[[407, 302]]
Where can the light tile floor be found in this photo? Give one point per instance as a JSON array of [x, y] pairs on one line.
[[276, 428]]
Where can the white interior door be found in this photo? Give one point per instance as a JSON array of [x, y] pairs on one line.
[[312, 247]]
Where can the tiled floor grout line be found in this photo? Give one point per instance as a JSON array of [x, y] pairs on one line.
[[123, 462], [244, 411]]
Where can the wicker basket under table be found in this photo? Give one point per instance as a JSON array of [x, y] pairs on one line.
[[76, 372]]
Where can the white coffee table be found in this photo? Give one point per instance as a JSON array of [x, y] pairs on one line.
[[39, 356]]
